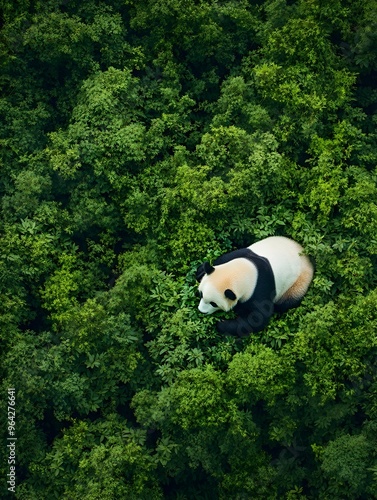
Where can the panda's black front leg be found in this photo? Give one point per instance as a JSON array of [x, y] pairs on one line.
[[236, 327], [245, 324]]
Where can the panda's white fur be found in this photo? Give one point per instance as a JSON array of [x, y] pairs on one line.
[[292, 272]]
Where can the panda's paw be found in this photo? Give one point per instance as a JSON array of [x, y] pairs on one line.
[[221, 327], [227, 327], [233, 327]]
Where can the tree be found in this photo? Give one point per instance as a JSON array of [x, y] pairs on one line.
[[139, 139]]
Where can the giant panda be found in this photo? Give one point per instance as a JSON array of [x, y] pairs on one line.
[[272, 275]]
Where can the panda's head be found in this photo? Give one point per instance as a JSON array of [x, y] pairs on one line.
[[215, 289]]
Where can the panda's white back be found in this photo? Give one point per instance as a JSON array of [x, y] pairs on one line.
[[285, 259]]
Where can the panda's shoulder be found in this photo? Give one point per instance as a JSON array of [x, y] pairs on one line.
[[265, 288], [241, 253]]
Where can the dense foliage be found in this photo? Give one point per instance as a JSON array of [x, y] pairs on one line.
[[139, 138]]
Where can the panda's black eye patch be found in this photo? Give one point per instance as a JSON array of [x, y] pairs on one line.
[[213, 304]]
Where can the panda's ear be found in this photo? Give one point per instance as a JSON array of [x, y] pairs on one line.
[[208, 269], [200, 273], [203, 269], [229, 294]]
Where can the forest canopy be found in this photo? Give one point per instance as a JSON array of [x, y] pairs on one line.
[[139, 139]]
